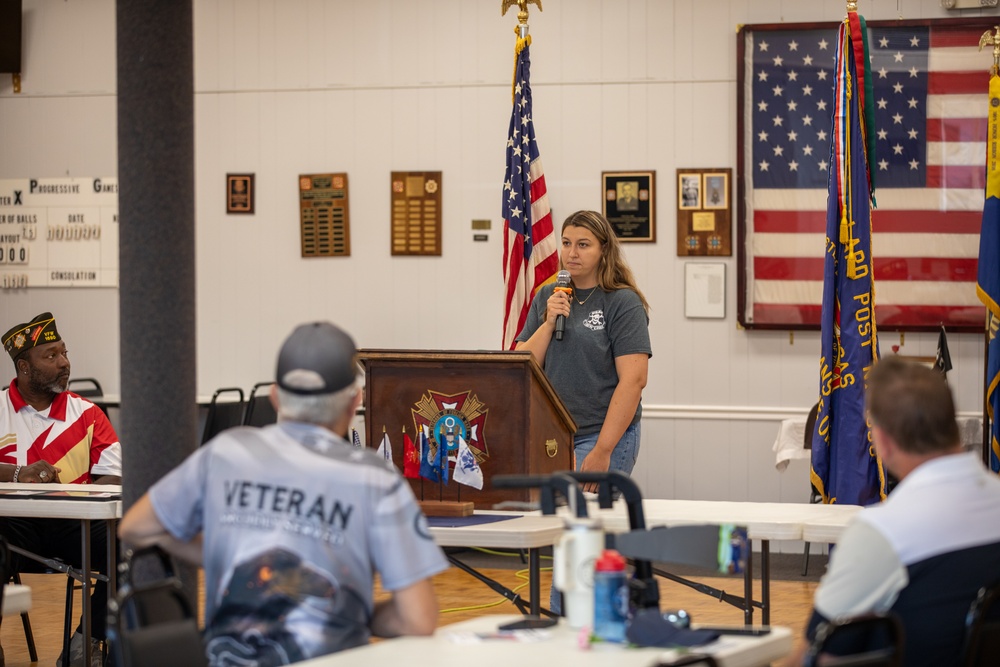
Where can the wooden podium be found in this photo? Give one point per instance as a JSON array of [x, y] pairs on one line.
[[511, 416]]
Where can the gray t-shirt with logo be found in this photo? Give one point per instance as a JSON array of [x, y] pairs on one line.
[[295, 523], [581, 366]]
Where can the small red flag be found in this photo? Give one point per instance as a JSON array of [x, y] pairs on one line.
[[411, 458]]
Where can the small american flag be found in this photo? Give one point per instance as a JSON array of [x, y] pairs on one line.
[[530, 250], [930, 137]]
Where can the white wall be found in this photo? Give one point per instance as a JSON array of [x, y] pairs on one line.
[[286, 87]]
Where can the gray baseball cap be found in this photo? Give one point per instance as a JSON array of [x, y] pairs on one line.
[[317, 358]]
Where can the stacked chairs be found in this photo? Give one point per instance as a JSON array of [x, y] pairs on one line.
[[230, 407]]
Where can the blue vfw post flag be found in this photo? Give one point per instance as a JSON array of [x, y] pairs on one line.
[[429, 467], [844, 467], [441, 459], [988, 287]]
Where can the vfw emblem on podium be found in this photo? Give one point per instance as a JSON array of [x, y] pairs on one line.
[[448, 416]]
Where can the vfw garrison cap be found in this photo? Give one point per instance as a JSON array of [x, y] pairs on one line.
[[39, 331]]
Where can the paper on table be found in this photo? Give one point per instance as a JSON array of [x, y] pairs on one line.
[[530, 635]]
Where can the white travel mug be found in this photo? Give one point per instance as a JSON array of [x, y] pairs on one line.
[[573, 569]]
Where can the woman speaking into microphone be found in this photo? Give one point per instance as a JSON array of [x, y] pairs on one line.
[[600, 363]]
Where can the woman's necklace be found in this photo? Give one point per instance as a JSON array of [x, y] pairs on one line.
[[586, 298]]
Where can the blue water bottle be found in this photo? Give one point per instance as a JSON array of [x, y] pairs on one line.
[[610, 597]]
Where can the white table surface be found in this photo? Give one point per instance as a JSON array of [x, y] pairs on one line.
[[561, 647], [50, 508], [16, 599], [523, 531], [764, 521]]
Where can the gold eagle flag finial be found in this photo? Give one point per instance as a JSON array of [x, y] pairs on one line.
[[522, 14], [992, 39]]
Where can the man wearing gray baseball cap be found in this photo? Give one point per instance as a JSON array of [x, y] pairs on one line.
[[291, 522]]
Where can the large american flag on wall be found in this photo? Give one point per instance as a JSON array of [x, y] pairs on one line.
[[530, 251], [929, 83]]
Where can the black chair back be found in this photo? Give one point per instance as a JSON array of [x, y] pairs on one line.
[[880, 634], [691, 659], [153, 624], [223, 414], [982, 629], [86, 387], [259, 410]]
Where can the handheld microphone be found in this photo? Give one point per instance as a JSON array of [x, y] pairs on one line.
[[562, 285]]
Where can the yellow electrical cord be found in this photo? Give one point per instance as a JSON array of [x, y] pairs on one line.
[[520, 574]]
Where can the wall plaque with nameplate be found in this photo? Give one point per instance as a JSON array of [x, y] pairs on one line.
[[324, 215], [416, 213]]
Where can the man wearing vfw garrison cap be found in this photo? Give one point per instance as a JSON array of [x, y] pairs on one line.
[[50, 435], [291, 522]]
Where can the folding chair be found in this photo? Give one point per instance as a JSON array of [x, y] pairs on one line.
[[90, 389], [223, 414], [15, 578], [152, 624], [814, 495], [982, 629], [86, 387], [35, 564], [881, 634], [259, 410]]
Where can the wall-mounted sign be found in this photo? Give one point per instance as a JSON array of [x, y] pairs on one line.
[[240, 193], [58, 232], [416, 213], [323, 215]]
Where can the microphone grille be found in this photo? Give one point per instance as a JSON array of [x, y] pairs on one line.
[[562, 278]]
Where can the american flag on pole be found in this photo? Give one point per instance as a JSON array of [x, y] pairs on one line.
[[930, 134], [530, 251]]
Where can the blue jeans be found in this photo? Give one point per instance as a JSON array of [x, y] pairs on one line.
[[622, 459], [625, 452]]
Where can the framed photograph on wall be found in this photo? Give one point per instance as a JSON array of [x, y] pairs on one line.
[[688, 191], [239, 193], [630, 204], [716, 189]]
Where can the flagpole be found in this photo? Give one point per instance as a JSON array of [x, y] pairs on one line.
[[987, 430], [521, 29]]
